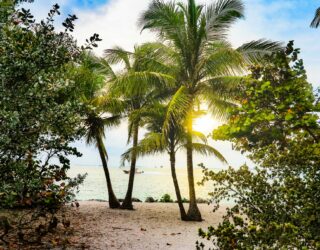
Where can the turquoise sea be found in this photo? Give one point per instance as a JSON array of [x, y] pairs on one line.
[[153, 182]]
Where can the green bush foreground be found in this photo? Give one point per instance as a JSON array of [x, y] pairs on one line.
[[277, 203]]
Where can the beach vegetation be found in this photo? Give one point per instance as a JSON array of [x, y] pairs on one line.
[[184, 200], [166, 198], [55, 94], [156, 141], [276, 202], [150, 200], [138, 86], [39, 119], [203, 63]]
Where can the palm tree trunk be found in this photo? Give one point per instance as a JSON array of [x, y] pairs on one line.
[[113, 201], [193, 212], [183, 214], [127, 203]]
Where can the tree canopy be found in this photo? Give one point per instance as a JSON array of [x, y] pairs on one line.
[[206, 68], [39, 115], [276, 203]]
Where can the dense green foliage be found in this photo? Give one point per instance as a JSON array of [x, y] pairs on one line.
[[276, 204], [137, 87], [39, 114], [52, 93], [166, 198], [7, 8]]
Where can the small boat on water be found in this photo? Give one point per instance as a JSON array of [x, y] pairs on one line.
[[137, 171]]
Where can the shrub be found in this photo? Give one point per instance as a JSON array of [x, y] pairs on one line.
[[185, 200], [276, 204], [150, 200], [166, 198], [40, 116], [136, 199], [201, 200], [39, 113]]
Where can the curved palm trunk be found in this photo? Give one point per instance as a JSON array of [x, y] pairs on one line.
[[193, 212], [127, 203], [113, 201], [183, 214]]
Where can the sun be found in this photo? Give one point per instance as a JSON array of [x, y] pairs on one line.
[[205, 124]]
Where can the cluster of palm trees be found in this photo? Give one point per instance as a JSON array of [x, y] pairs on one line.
[[163, 86]]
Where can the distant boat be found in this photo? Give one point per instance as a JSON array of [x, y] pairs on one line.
[[137, 171]]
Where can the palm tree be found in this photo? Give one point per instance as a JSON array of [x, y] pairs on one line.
[[194, 38], [96, 124], [97, 115], [316, 20], [156, 142], [138, 86]]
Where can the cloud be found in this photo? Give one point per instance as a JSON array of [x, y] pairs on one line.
[[116, 22], [282, 21]]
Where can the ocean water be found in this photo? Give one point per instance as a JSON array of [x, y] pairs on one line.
[[153, 182]]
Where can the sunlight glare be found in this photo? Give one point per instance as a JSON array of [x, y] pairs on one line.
[[205, 124]]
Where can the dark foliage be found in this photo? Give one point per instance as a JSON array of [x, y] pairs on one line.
[[40, 116]]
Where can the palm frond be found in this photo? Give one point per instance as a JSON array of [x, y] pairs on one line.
[[94, 127], [207, 150], [153, 143], [218, 106], [316, 20], [221, 15], [96, 123], [167, 20], [111, 121], [105, 69], [178, 108], [110, 104], [199, 136], [140, 83], [221, 59], [254, 51], [192, 13], [118, 55], [155, 57], [223, 86]]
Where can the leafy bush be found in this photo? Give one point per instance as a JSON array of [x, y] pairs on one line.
[[201, 200], [40, 116], [277, 204], [39, 113], [185, 200], [150, 200], [166, 198]]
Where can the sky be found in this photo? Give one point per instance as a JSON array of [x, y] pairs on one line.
[[116, 23]]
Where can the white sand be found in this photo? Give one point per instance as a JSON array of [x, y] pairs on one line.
[[150, 226]]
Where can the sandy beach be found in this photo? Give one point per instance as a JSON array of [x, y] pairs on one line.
[[150, 226]]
